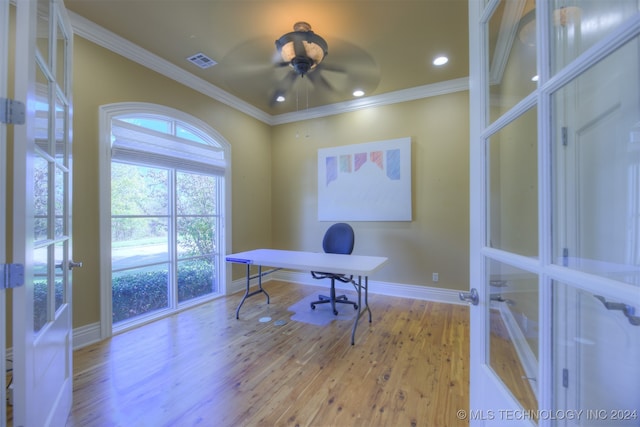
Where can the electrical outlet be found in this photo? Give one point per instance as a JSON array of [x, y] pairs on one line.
[[435, 277]]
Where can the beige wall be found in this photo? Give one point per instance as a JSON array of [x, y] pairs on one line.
[[102, 77], [437, 240]]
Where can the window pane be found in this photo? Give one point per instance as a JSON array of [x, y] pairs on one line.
[[41, 197], [138, 190], [196, 194], [196, 278], [185, 133], [42, 120], [42, 30], [576, 25], [139, 291], [196, 236], [60, 275], [139, 241], [513, 341], [60, 131], [40, 288], [59, 201], [62, 45], [512, 56], [159, 125], [513, 187], [596, 169]]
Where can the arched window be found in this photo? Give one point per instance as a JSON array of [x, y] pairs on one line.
[[167, 175]]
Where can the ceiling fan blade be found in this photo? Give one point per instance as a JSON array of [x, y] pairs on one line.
[[284, 85], [319, 80], [331, 67]]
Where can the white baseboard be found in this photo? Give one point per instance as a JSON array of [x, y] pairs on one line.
[[85, 335], [375, 287], [517, 336]]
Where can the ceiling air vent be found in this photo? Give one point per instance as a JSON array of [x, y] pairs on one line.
[[202, 60]]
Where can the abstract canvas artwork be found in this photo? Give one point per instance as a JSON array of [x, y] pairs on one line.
[[365, 182]]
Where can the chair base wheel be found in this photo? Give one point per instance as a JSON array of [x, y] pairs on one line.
[[342, 299]]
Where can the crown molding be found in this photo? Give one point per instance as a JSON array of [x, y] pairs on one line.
[[396, 97], [96, 34]]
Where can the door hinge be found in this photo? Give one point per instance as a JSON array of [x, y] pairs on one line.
[[565, 136], [565, 378], [12, 112], [11, 276]]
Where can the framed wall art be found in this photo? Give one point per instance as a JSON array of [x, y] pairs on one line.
[[365, 182]]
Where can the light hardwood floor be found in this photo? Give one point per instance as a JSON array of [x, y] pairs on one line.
[[202, 367]]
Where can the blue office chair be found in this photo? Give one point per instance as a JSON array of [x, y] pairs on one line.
[[338, 239]]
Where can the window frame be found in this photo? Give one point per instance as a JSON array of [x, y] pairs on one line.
[[107, 113]]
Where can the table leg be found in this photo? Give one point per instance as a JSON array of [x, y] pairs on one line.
[[247, 292], [366, 304]]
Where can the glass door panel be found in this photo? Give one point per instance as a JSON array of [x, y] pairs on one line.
[[59, 276], [513, 187], [62, 51], [197, 217], [513, 338], [41, 199], [41, 288], [140, 241], [512, 55], [576, 25], [596, 367], [596, 169]]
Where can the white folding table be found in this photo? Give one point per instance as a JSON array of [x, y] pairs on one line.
[[350, 265]]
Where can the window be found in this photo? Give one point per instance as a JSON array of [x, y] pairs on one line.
[[168, 180]]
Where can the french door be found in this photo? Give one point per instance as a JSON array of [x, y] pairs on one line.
[[42, 329], [555, 212]]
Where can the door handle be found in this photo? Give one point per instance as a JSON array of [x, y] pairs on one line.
[[470, 297], [70, 265], [628, 310], [73, 264]]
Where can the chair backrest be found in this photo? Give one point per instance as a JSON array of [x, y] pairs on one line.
[[339, 239]]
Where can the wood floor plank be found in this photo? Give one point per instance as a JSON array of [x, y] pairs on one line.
[[202, 367]]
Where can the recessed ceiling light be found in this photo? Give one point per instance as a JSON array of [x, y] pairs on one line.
[[358, 92], [534, 78], [440, 60], [280, 98]]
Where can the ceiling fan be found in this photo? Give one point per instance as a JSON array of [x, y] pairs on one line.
[[303, 55]]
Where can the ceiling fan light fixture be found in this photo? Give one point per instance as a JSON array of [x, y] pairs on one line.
[[302, 48]]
